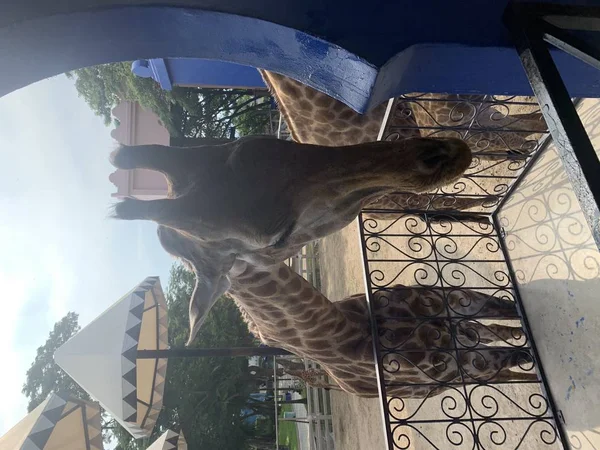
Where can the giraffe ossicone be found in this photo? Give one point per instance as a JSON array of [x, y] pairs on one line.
[[235, 211]]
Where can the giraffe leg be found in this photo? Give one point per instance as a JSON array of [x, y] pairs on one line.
[[313, 377], [516, 359], [468, 302], [494, 365], [471, 333], [507, 120], [328, 387], [407, 200], [533, 122], [454, 203], [496, 332], [506, 375], [399, 201], [475, 218], [321, 382]]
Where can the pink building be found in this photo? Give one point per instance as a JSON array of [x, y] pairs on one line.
[[138, 126]]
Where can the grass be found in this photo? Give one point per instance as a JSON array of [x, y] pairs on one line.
[[288, 434]]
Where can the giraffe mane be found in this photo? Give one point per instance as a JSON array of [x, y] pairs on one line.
[[280, 105], [252, 327]]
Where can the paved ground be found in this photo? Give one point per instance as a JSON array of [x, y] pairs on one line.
[[558, 271], [357, 421]]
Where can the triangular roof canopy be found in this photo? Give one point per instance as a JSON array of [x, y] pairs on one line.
[[102, 357], [167, 441], [61, 422]]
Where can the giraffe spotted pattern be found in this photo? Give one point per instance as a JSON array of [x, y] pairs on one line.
[[285, 311]]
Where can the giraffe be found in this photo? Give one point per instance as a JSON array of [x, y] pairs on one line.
[[260, 199], [316, 118], [314, 377], [310, 376], [286, 311]]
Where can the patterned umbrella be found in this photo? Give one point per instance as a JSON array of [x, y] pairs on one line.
[[61, 422], [102, 357], [169, 441]]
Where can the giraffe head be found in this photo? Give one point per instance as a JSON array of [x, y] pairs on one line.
[[260, 195], [260, 199]]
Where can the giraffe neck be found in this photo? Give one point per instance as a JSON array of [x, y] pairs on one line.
[[284, 108], [316, 118], [285, 310]]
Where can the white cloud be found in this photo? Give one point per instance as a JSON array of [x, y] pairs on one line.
[[55, 239], [14, 292]]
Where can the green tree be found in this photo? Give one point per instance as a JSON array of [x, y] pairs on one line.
[[44, 376], [205, 396], [184, 111]]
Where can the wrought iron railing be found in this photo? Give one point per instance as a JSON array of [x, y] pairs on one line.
[[457, 366]]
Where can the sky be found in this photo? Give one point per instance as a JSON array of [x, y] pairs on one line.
[[59, 251]]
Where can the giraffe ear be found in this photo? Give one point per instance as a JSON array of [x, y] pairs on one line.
[[206, 292], [210, 268]]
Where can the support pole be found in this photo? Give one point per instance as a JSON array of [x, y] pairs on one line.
[[581, 164], [204, 352]]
